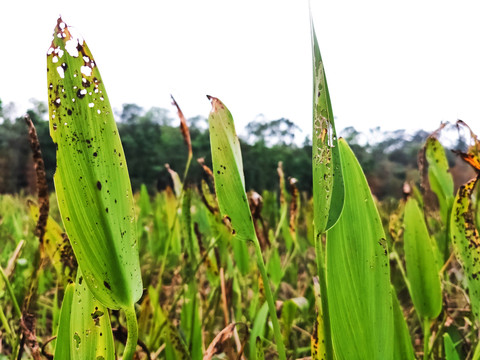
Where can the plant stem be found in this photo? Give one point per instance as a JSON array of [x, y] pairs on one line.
[[16, 307], [426, 337], [324, 298], [132, 329], [269, 297], [4, 322]]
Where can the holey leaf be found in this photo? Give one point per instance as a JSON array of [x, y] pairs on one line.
[[358, 272], [91, 180], [328, 188], [228, 171], [466, 241], [91, 334]]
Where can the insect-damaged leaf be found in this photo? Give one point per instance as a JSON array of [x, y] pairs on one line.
[[90, 330], [466, 241], [228, 171], [358, 272], [328, 187], [91, 180], [421, 254]]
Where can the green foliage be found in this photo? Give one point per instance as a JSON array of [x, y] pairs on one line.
[[195, 261], [90, 330], [403, 349], [421, 256], [328, 187], [358, 272], [91, 181], [440, 179], [228, 172], [466, 241], [64, 337], [450, 352]]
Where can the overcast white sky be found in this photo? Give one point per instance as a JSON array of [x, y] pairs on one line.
[[395, 64]]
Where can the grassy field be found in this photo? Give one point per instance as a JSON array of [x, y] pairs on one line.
[[207, 271]]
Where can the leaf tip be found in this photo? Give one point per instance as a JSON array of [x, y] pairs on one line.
[[216, 103]]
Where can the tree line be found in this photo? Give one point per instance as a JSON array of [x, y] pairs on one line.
[[151, 138]]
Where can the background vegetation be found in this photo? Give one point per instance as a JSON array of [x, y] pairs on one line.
[[151, 139]]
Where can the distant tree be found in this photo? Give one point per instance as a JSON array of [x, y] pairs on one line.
[[281, 131]]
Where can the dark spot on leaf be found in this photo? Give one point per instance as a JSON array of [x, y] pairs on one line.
[[99, 185], [80, 280], [107, 285], [95, 154]]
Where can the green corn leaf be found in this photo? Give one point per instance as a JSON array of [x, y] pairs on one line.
[[449, 346], [328, 187], [63, 346], [420, 259], [90, 330], [228, 171], [91, 180], [466, 241], [402, 343], [358, 272], [441, 180]]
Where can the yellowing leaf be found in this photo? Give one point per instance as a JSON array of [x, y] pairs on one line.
[[466, 241]]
